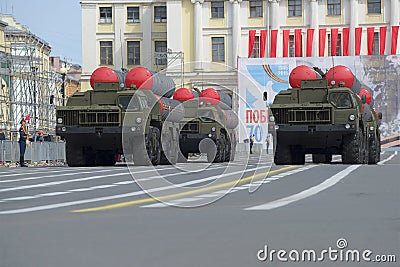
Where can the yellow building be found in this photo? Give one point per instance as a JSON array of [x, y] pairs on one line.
[[207, 36]]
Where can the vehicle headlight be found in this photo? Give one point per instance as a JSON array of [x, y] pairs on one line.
[[213, 129], [201, 103], [60, 120], [271, 118], [352, 117], [371, 128], [139, 120], [133, 129], [210, 135], [63, 129], [347, 126], [276, 127]]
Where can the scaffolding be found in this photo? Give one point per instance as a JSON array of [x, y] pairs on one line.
[[28, 87]]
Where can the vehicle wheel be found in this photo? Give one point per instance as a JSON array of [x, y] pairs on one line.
[[282, 155], [146, 149], [156, 145], [168, 149], [321, 158], [182, 158], [75, 156], [373, 151], [106, 158], [298, 156], [352, 149], [228, 152]]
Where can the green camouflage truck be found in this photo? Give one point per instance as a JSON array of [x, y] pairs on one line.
[[110, 120], [324, 120]]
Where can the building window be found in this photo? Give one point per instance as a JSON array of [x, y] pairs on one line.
[[217, 9], [256, 9], [374, 6], [161, 52], [376, 44], [105, 14], [334, 7], [291, 46], [294, 8], [133, 15], [106, 53], [218, 49], [133, 52], [256, 48], [338, 45], [160, 14]]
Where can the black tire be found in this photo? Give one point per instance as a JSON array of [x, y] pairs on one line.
[[147, 149], [352, 149], [298, 156], [169, 152], [228, 152], [156, 152], [321, 158], [75, 156], [106, 158], [373, 151], [283, 155]]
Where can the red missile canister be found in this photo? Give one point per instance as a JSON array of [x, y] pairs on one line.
[[183, 94], [103, 74], [301, 73]]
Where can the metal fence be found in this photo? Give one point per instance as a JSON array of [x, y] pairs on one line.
[[36, 153]]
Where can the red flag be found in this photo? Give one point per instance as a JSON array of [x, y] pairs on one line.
[[395, 34], [370, 40], [310, 38], [358, 34], [382, 40], [334, 36], [346, 35], [252, 37], [274, 37], [298, 44], [263, 40], [322, 39], [286, 43]]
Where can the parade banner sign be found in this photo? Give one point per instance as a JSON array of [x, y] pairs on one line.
[[381, 74]]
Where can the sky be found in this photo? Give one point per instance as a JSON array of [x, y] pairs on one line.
[[58, 22]]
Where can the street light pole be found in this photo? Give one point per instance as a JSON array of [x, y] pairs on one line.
[[63, 72]]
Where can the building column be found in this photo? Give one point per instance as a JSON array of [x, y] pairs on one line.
[[353, 24], [314, 24], [147, 44], [274, 14], [198, 34], [394, 12], [236, 31]]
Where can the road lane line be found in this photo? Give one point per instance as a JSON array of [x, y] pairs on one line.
[[388, 159], [146, 200], [195, 191], [308, 192], [91, 188]]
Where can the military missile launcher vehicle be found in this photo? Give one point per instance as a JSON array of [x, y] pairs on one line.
[[323, 115], [125, 113], [208, 126]]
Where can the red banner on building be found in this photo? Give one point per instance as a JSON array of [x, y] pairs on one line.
[[274, 37], [298, 43], [286, 43], [310, 39], [370, 40], [334, 36], [382, 40], [395, 35], [252, 37], [346, 36], [263, 41], [357, 44], [322, 40]]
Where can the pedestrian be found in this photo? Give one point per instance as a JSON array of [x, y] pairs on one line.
[[251, 143], [23, 139], [268, 141]]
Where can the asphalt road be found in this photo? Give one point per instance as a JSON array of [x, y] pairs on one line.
[[205, 216]]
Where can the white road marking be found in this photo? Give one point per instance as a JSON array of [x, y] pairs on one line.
[[235, 189], [388, 159], [306, 193], [119, 196]]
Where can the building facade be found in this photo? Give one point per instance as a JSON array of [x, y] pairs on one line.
[[201, 40]]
